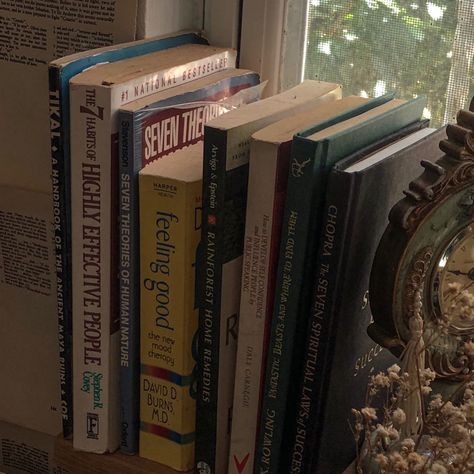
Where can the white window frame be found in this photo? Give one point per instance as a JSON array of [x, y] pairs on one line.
[[272, 36], [273, 41]]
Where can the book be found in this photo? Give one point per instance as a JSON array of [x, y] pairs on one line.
[[270, 157], [170, 230], [226, 150], [60, 71], [149, 129], [96, 95], [314, 152], [339, 355]]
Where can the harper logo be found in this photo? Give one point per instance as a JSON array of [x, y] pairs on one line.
[[297, 168], [92, 426]]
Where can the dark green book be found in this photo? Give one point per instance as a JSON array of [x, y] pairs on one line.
[[314, 153], [339, 355]]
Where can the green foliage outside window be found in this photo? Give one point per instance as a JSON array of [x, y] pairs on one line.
[[411, 47]]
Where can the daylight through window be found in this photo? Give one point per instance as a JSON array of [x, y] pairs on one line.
[[411, 47]]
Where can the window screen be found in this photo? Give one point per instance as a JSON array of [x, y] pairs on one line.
[[411, 47]]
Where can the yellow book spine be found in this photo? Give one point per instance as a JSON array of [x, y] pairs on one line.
[[170, 220]]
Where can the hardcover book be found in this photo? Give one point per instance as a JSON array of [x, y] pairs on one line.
[[314, 152], [170, 224], [151, 128], [96, 96], [60, 72], [269, 157], [339, 355], [226, 154]]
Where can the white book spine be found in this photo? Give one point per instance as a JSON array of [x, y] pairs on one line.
[[254, 310], [95, 336]]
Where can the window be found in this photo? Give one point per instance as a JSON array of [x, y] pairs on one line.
[[411, 47]]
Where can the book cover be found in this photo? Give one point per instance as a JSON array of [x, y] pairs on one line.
[[314, 152], [270, 157], [150, 129], [226, 154], [60, 72], [340, 356], [170, 222], [96, 96]]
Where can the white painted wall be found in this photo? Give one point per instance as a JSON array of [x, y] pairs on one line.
[[221, 22]]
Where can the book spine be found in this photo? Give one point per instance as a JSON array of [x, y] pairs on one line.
[[212, 259], [170, 232], [96, 333], [262, 233], [61, 210], [294, 260], [129, 289], [310, 401]]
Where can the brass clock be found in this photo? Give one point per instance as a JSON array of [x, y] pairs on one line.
[[425, 260]]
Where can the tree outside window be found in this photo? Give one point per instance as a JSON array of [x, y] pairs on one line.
[[411, 47]]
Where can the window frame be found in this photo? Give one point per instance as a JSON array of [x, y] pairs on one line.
[[267, 34], [271, 33]]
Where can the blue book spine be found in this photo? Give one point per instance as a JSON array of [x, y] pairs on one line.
[[59, 76]]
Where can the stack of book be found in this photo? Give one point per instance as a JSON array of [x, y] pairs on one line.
[[213, 255]]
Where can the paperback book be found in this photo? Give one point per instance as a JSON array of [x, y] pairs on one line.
[[170, 222]]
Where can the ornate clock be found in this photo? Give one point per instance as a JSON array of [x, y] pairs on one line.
[[425, 260]]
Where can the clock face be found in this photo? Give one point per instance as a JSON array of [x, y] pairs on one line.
[[453, 283]]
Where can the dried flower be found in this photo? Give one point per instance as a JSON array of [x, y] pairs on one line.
[[381, 460], [399, 417], [381, 380], [408, 444], [369, 413]]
